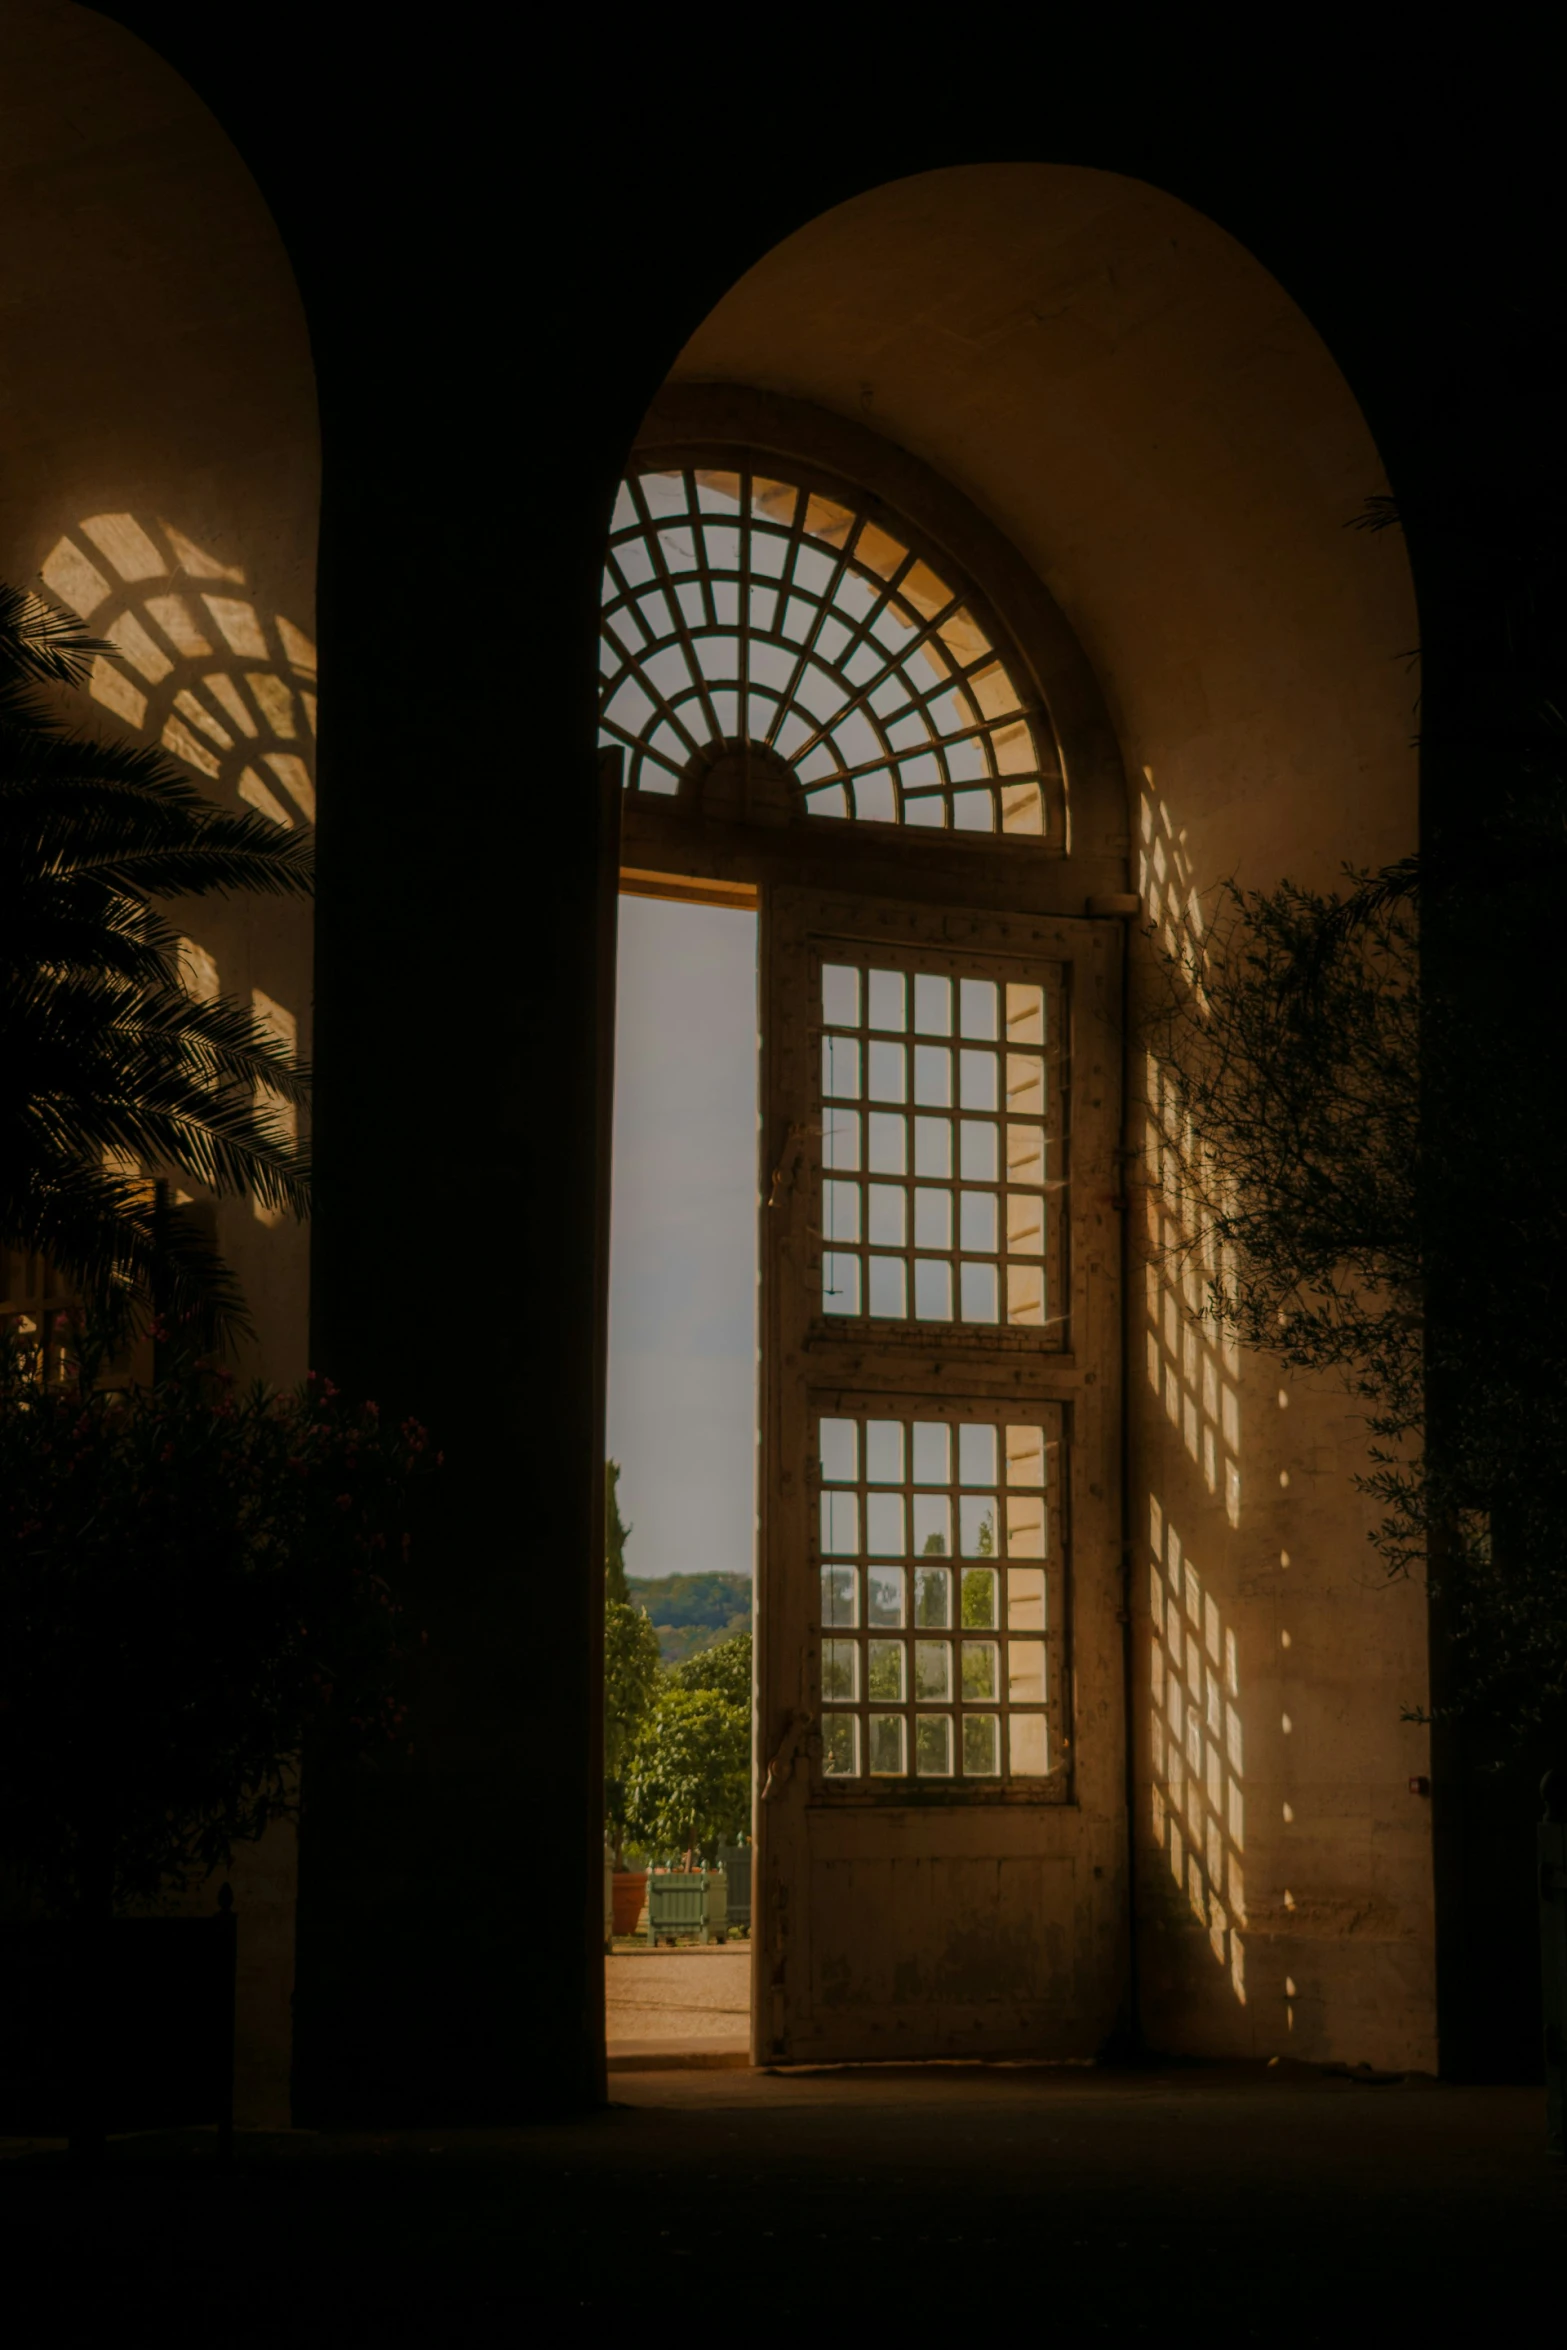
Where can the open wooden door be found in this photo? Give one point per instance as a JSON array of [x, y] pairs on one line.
[[940, 1821]]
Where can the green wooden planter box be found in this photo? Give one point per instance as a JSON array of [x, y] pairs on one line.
[[687, 1906], [735, 1861]]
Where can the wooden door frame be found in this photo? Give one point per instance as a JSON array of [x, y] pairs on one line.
[[1089, 1799]]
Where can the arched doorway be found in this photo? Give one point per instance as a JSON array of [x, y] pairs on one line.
[[1163, 443], [835, 690]]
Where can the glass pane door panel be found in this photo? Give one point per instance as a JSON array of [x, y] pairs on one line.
[[896, 1490], [941, 1124]]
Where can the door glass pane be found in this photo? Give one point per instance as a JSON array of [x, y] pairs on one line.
[[840, 1671], [976, 1220], [885, 1535], [840, 996], [888, 1216], [884, 1677], [840, 1451], [841, 1067], [932, 1597], [980, 1670], [978, 1453], [981, 1217], [933, 1149], [1025, 1296], [978, 1294], [1026, 1599], [933, 1669], [840, 1282], [977, 1150], [840, 1524], [840, 1595], [1025, 1448], [889, 1289], [932, 1452], [884, 1453], [980, 1086], [888, 1000], [979, 1598], [888, 1150], [889, 1076], [932, 1005], [933, 1076], [1025, 1672], [933, 1525], [978, 1000], [932, 1218], [841, 1212], [840, 1138], [1025, 1525], [884, 1601], [937, 1704], [932, 1290], [1025, 1015], [977, 1524]]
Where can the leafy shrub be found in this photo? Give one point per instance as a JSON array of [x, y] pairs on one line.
[[194, 1581]]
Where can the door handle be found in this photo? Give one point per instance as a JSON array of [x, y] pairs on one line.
[[782, 1764], [788, 1163]]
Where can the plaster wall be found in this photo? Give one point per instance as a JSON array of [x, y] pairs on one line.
[[1148, 416], [155, 364]]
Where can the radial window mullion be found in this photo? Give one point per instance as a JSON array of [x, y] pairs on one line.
[[666, 579], [824, 613], [920, 634], [743, 617], [961, 775]]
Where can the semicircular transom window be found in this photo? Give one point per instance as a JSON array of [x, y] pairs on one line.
[[744, 612]]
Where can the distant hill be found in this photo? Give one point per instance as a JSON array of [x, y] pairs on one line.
[[691, 1612]]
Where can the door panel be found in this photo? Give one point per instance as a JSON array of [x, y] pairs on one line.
[[941, 1841]]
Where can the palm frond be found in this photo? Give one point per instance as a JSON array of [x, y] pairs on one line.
[[122, 1246], [104, 1054], [40, 641], [121, 812]]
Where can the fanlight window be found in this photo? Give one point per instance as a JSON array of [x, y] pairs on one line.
[[742, 611]]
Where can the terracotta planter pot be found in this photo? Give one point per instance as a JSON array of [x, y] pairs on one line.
[[630, 1893]]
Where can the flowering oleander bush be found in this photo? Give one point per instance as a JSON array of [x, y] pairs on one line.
[[195, 1580]]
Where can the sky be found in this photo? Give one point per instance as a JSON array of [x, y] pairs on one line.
[[682, 1302]]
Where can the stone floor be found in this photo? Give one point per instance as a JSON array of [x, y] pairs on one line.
[[1230, 2205], [689, 2003]]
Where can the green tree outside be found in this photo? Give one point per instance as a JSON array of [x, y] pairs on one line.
[[725, 1667], [689, 1787], [631, 1665], [631, 1672]]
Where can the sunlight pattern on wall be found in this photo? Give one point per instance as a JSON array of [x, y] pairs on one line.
[[1165, 885], [1197, 1764], [204, 672], [745, 610], [1193, 1364], [205, 675]]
